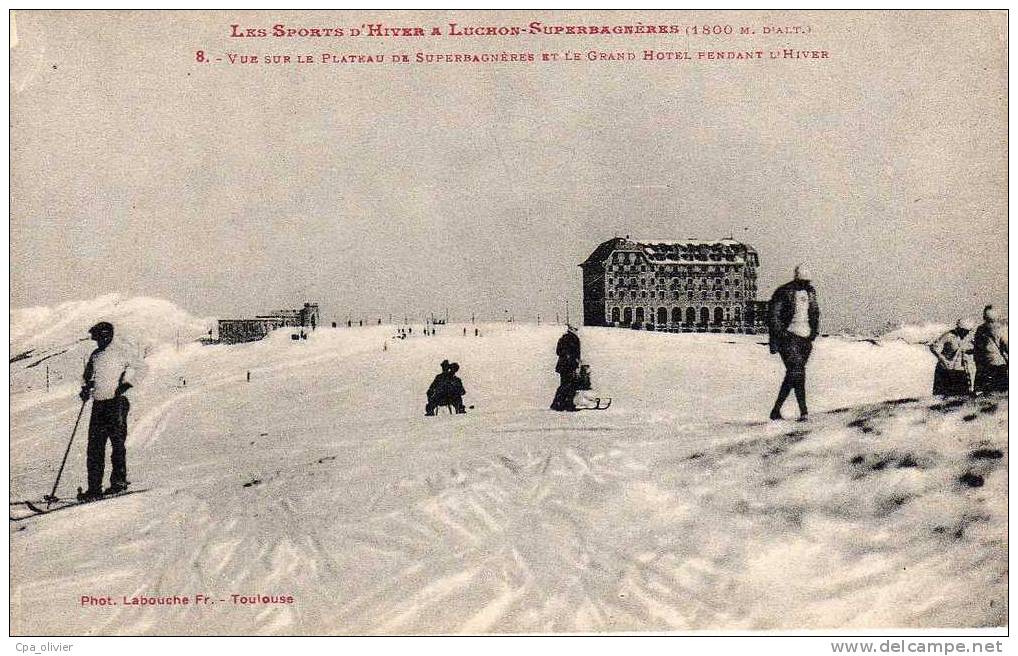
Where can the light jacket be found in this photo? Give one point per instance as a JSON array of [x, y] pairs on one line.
[[109, 367], [953, 350]]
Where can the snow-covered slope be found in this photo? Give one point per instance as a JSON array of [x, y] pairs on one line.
[[677, 508]]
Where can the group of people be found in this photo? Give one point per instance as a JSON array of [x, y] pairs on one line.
[[574, 390], [972, 359]]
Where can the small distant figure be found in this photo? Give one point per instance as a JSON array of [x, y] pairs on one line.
[[794, 322], [446, 390], [568, 352], [348, 324], [249, 376], [477, 332], [362, 323], [464, 331], [954, 350], [990, 353]]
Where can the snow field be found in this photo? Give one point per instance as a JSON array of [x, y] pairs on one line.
[[676, 509]]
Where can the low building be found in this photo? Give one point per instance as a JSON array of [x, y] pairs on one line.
[[233, 331], [673, 286]]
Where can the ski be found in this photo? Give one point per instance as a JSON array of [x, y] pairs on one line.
[[38, 507]]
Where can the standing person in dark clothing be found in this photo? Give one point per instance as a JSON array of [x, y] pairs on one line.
[[794, 322], [110, 372], [568, 351], [990, 353]]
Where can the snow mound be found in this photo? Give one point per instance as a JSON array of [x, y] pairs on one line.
[[142, 320], [916, 333]]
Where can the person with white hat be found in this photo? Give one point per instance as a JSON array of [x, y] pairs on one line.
[[793, 323], [990, 353], [953, 351]]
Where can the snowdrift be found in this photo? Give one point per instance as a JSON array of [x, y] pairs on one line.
[[56, 338], [319, 481], [144, 321], [916, 333]]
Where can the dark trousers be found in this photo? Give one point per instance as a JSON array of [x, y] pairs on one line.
[[566, 391], [795, 352], [108, 422], [950, 382], [991, 378]]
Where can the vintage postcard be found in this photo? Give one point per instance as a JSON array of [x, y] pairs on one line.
[[507, 322]]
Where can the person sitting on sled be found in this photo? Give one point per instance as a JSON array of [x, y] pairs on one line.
[[584, 398], [446, 389]]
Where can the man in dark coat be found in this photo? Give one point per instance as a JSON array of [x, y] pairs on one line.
[[991, 353], [446, 389], [568, 351], [794, 322]]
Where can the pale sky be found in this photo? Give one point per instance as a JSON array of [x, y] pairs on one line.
[[378, 188]]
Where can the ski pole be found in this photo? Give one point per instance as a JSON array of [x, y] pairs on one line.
[[51, 497]]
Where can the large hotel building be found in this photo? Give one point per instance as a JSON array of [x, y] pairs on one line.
[[673, 286]]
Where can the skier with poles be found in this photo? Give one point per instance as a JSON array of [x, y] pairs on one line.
[[110, 372]]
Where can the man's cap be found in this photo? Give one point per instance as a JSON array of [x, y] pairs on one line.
[[101, 327], [445, 364], [990, 313], [571, 328], [802, 272], [454, 367]]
